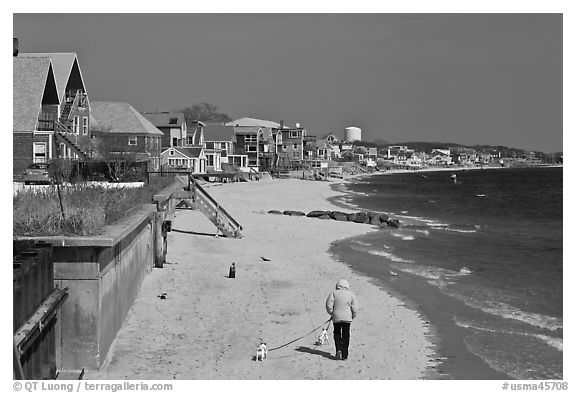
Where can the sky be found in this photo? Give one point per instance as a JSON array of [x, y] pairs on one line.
[[471, 78]]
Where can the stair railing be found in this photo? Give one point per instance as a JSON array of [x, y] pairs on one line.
[[215, 205]]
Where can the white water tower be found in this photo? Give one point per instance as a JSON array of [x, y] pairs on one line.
[[353, 134]]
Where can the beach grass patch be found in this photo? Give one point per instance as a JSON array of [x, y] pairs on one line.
[[78, 210]]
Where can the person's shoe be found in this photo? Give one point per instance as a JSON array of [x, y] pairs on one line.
[[338, 355]]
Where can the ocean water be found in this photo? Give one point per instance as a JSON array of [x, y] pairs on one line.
[[481, 257]]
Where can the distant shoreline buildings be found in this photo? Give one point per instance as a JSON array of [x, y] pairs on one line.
[[56, 122]]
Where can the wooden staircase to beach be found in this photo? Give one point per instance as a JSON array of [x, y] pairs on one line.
[[198, 198]]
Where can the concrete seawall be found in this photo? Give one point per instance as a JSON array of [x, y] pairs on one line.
[[103, 275]]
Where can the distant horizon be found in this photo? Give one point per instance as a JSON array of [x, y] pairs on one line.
[[471, 79]]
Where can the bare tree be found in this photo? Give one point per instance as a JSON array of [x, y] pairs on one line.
[[205, 112]]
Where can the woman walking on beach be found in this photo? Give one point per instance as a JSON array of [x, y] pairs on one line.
[[342, 305]]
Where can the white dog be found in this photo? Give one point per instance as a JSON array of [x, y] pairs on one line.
[[261, 352], [323, 338]]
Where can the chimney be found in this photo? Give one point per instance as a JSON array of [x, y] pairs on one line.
[[15, 47], [281, 124]]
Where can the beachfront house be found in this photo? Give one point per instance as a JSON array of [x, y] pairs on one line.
[[190, 159], [370, 156], [254, 138], [346, 146], [195, 134], [71, 123], [316, 152], [35, 107], [333, 145], [289, 143], [124, 135], [440, 157], [254, 143], [218, 143], [172, 124], [464, 156], [285, 148]]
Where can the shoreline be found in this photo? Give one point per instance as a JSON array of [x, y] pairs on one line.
[[274, 301], [458, 362]]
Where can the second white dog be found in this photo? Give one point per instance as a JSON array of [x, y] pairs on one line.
[[323, 338], [261, 352]]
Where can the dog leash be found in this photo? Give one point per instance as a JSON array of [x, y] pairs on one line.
[[301, 337]]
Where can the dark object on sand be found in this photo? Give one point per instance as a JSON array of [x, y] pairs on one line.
[[293, 213], [163, 295], [361, 218], [393, 223], [265, 259], [374, 218], [339, 216], [275, 212], [317, 213], [232, 272]]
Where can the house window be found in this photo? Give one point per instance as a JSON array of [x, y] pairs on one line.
[[284, 147], [84, 125], [39, 152], [251, 149], [132, 140], [296, 154], [173, 120], [250, 138], [217, 145], [76, 125], [210, 160], [157, 142], [171, 152], [295, 146], [294, 134], [190, 140], [174, 141]]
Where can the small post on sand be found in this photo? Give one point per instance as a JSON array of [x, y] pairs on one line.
[[232, 271]]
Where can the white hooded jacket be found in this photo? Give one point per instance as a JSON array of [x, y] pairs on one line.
[[342, 303]]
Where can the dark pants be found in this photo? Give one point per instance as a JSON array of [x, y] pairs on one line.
[[342, 337]]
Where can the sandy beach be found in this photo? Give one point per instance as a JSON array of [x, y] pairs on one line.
[[209, 326]]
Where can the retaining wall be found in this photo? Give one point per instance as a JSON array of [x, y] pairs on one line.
[[103, 275]]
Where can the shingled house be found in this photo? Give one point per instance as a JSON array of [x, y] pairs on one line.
[[172, 124], [72, 121], [35, 98], [124, 134], [192, 159]]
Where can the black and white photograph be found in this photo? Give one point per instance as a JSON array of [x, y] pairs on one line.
[[303, 195]]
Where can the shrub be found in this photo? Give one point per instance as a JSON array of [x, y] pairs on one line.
[[87, 208]]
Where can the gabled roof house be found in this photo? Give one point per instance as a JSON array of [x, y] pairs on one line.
[[35, 98], [190, 158], [172, 124], [125, 134], [73, 116]]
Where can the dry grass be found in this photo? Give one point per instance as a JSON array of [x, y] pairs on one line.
[[87, 208]]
